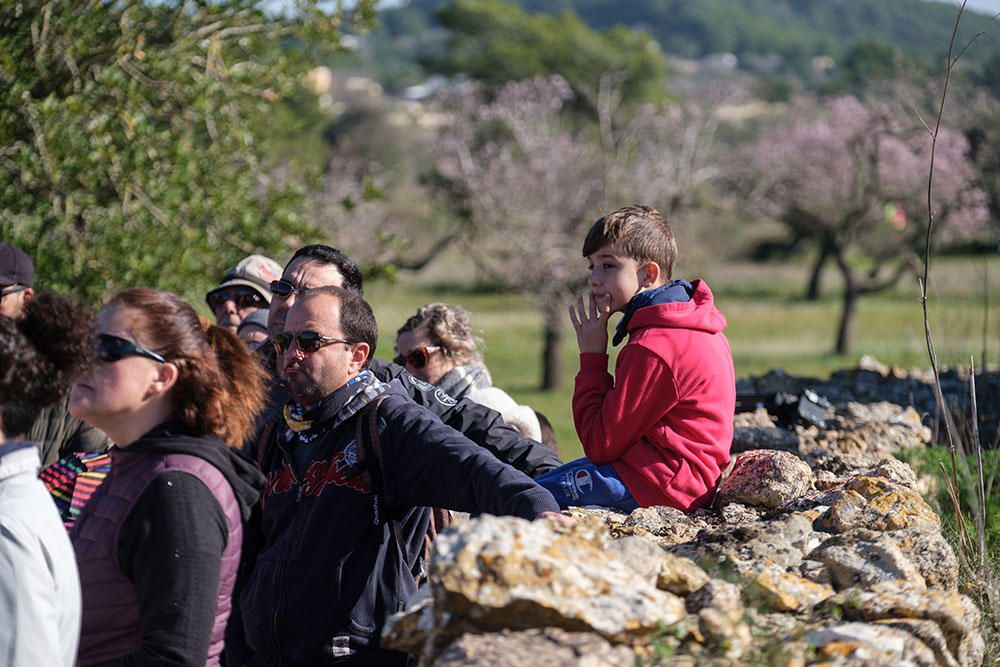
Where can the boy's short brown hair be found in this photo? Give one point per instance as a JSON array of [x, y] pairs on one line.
[[640, 232]]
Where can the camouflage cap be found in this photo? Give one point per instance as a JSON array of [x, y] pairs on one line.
[[255, 271]]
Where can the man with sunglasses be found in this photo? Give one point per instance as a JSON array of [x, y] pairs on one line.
[[243, 290], [315, 266], [342, 527], [319, 265], [54, 430]]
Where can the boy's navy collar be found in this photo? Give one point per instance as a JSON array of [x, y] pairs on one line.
[[677, 291]]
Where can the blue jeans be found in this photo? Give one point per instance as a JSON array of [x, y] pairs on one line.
[[580, 482]]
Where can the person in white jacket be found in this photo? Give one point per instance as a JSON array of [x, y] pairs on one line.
[[39, 586], [40, 355]]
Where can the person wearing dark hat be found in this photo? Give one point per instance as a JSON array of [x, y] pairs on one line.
[[253, 329], [17, 280], [56, 433], [243, 290]]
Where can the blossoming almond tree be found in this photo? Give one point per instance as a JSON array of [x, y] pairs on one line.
[[852, 176]]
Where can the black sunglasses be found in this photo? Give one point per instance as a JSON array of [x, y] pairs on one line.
[[243, 298], [112, 348], [308, 341], [417, 357], [283, 289]]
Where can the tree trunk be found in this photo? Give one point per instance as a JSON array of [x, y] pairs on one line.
[[847, 317], [849, 311], [812, 291], [555, 326]]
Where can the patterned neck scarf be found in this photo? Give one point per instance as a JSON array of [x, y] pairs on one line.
[[460, 380], [294, 418], [350, 398]]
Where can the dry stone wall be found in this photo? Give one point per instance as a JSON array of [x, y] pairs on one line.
[[820, 550]]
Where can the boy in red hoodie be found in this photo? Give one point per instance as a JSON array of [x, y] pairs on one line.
[[659, 431]]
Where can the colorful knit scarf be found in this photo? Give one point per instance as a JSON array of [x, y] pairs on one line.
[[73, 479]]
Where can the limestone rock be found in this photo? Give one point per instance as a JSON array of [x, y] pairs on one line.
[[880, 428], [530, 648], [505, 573], [671, 525], [747, 548], [718, 606], [859, 562], [878, 504], [758, 418], [824, 480], [919, 555], [869, 363], [776, 589], [847, 511], [766, 477], [955, 615], [680, 576], [409, 630], [596, 520], [926, 548], [861, 436], [865, 643], [895, 471], [664, 525], [927, 632], [735, 513], [640, 554], [815, 571]]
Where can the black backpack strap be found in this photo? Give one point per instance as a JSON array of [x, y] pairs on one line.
[[264, 442], [370, 461], [370, 458]]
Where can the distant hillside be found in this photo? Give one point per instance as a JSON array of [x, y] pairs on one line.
[[794, 29]]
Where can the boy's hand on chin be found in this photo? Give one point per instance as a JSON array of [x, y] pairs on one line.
[[591, 325]]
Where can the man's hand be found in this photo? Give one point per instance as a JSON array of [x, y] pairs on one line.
[[591, 328]]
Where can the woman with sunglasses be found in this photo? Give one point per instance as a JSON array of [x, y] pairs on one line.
[[437, 346], [40, 354], [159, 542]]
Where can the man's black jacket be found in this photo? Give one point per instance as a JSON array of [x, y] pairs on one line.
[[324, 575], [480, 424]]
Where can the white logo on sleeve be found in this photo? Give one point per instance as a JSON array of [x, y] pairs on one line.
[[444, 399], [419, 384]]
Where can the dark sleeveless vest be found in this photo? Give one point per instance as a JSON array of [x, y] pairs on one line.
[[110, 623]]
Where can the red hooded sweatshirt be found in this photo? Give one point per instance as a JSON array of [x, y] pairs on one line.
[[665, 421]]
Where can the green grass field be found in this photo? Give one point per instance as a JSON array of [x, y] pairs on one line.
[[770, 326]]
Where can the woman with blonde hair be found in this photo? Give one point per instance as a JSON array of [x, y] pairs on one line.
[[159, 543], [437, 345]]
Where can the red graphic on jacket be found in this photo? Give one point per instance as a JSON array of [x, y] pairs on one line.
[[318, 474]]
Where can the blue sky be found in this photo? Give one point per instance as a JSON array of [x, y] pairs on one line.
[[985, 6]]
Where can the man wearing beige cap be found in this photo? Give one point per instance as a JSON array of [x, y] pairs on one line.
[[243, 289]]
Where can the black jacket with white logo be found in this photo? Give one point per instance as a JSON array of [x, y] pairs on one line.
[[480, 424], [325, 575]]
